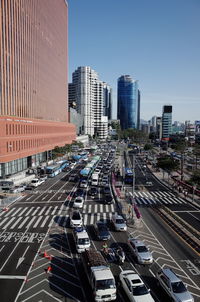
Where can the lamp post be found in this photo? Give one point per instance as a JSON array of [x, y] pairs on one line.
[[133, 164]]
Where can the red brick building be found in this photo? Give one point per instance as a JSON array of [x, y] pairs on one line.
[[33, 82]]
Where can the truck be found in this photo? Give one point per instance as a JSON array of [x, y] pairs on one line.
[[99, 276]]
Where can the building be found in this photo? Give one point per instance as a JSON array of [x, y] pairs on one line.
[[190, 130], [127, 102], [93, 101], [159, 127], [166, 122], [33, 77]]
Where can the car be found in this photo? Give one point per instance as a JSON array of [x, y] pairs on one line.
[[76, 219], [78, 202], [108, 199], [36, 182], [148, 184], [119, 223], [43, 177], [106, 190], [93, 191], [73, 177], [97, 171], [140, 251], [82, 241], [18, 189], [80, 192], [134, 287], [173, 286], [83, 184], [102, 231]]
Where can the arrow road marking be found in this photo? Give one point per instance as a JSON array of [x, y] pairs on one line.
[[21, 259]]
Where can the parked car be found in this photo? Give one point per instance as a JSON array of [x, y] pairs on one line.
[[140, 251], [106, 190], [102, 231], [76, 219], [134, 287], [119, 223], [173, 286], [78, 202]]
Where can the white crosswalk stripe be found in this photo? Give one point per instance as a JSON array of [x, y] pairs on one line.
[[157, 198]]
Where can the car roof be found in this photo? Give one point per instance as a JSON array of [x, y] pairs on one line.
[[133, 277], [82, 234], [137, 242], [171, 275]]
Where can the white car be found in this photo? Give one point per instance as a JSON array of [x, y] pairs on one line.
[[82, 241], [76, 219], [134, 287], [36, 182], [140, 251], [78, 202], [18, 189], [83, 184], [119, 223]]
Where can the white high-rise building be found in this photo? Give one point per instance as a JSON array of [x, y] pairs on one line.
[[89, 95]]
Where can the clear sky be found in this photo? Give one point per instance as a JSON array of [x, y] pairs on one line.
[[156, 42]]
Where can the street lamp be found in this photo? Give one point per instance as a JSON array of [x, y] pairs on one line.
[[133, 164]]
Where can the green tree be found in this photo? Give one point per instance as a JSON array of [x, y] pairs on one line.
[[196, 152], [148, 147], [167, 163], [195, 179], [181, 148]]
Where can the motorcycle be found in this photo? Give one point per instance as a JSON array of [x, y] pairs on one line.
[[114, 255]]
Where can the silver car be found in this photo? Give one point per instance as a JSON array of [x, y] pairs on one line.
[[173, 286], [140, 251], [119, 223]]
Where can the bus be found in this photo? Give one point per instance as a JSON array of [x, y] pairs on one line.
[[63, 164], [128, 176], [85, 173], [54, 170]]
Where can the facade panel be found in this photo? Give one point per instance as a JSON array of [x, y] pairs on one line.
[[33, 77]]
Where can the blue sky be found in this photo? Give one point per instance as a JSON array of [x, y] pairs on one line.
[[156, 42]]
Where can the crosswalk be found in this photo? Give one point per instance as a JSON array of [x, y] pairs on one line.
[[157, 198], [44, 217]]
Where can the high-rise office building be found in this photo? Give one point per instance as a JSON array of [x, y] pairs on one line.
[[127, 102], [91, 96], [33, 77], [166, 122]]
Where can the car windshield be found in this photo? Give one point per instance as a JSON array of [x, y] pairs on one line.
[[76, 216], [102, 228], [178, 287], [139, 290], [105, 284], [119, 221], [78, 201], [83, 241], [142, 249]]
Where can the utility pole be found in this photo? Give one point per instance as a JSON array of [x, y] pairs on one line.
[[133, 164]]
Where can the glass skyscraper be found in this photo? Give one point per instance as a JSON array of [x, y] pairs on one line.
[[127, 103]]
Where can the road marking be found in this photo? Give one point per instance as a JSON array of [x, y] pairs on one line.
[[12, 277], [45, 220], [37, 222], [25, 220], [21, 259], [2, 248], [9, 222], [2, 222], [43, 209], [16, 222]]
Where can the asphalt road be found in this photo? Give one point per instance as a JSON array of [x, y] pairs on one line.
[[38, 226]]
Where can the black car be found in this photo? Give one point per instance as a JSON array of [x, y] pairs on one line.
[[80, 192], [106, 190], [108, 199], [73, 177], [102, 231], [93, 191]]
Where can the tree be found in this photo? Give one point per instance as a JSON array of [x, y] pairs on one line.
[[195, 179], [181, 148], [148, 147], [196, 152], [167, 163]]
